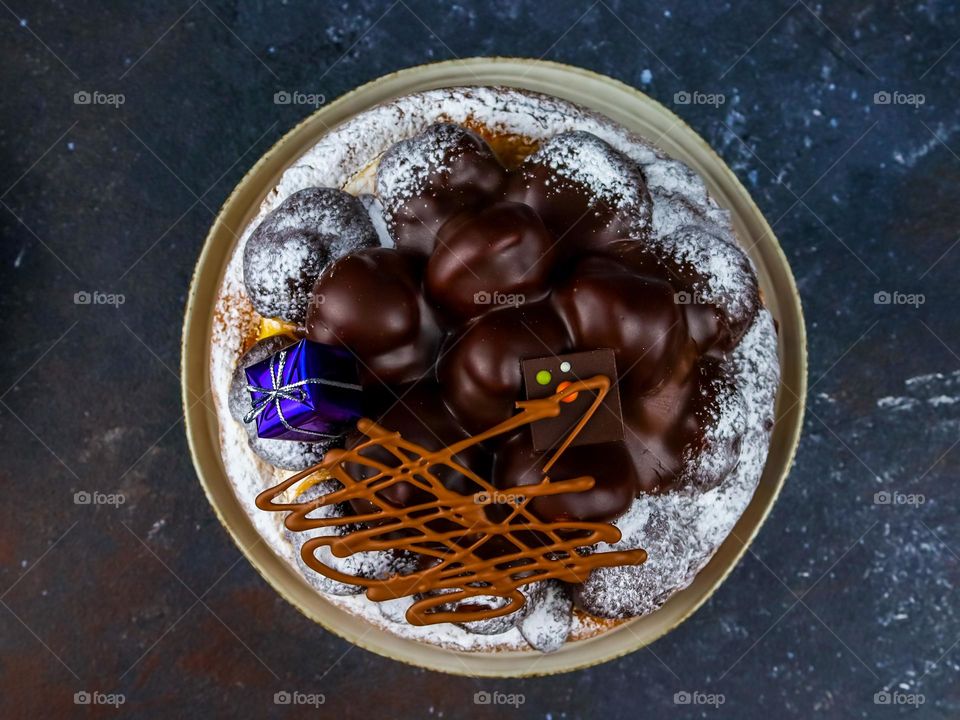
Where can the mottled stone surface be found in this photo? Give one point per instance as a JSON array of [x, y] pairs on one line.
[[841, 598]]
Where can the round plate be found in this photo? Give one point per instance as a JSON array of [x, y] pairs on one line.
[[636, 112]]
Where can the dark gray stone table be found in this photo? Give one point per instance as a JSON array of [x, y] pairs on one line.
[[842, 597]]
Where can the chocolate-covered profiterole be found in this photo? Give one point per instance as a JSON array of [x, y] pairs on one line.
[[609, 464], [499, 254], [587, 193], [667, 430], [426, 180], [285, 254], [370, 303], [605, 305], [659, 426], [707, 324], [480, 372]]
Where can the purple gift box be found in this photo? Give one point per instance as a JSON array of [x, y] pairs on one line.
[[305, 392]]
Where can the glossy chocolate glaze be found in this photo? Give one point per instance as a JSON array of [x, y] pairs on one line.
[[714, 331], [584, 220], [519, 465], [606, 305], [479, 370], [464, 175], [576, 273], [371, 302], [497, 254]]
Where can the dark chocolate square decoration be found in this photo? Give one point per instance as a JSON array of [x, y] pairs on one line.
[[606, 425]]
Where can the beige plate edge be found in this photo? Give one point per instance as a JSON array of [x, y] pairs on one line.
[[637, 112]]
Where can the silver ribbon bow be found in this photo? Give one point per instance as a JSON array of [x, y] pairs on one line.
[[291, 391]]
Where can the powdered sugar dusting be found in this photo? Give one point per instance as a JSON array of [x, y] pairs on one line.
[[680, 531], [294, 242], [726, 278], [725, 424], [375, 210], [405, 167], [580, 157], [548, 623], [289, 454], [234, 321], [371, 564]]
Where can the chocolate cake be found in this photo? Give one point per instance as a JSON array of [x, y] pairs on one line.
[[565, 370]]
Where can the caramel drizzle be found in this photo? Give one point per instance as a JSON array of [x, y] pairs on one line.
[[459, 573]]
